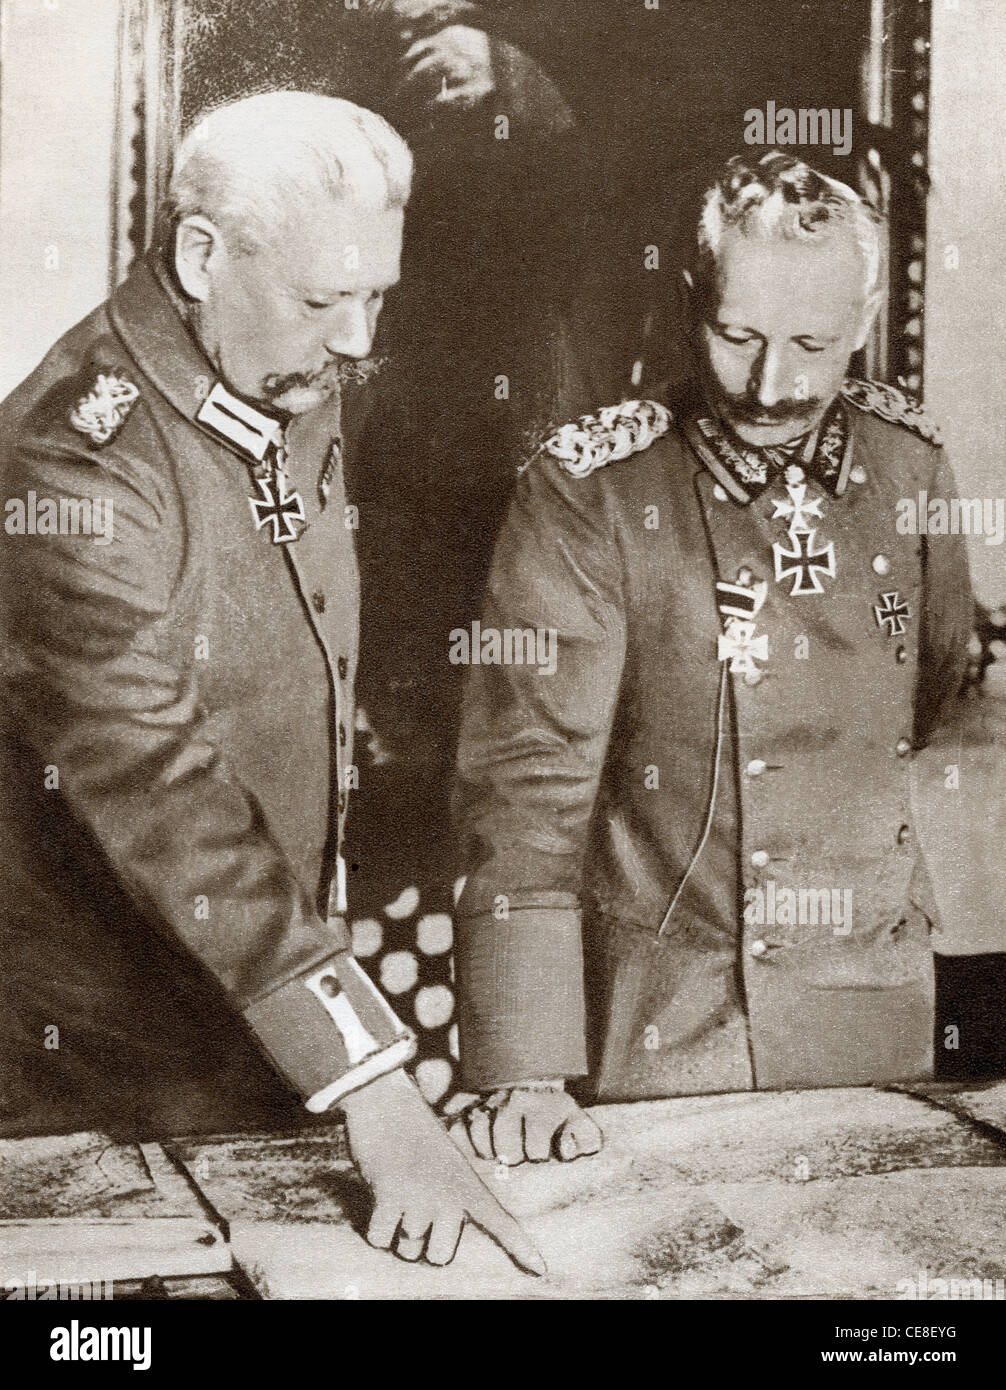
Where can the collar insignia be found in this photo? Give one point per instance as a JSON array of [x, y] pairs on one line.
[[749, 466], [238, 422], [746, 472]]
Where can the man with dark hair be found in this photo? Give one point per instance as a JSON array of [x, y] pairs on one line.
[[691, 860]]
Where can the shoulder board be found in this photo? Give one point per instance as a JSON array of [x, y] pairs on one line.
[[878, 398], [102, 410], [613, 433]]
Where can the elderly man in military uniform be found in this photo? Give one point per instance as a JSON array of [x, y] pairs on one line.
[[691, 860], [178, 688]]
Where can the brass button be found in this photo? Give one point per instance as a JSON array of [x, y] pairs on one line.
[[760, 858], [903, 747], [330, 986], [904, 834], [753, 677], [318, 601], [343, 667], [755, 767], [901, 656], [881, 564], [857, 474], [744, 576], [720, 493], [758, 948]]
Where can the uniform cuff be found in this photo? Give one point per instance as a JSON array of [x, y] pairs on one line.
[[330, 1031], [520, 997]]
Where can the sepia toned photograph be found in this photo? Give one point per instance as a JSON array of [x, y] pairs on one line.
[[503, 677]]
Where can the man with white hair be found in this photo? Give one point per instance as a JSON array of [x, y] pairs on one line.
[[691, 860], [178, 689]]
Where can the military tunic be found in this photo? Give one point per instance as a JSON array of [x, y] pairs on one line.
[[691, 874], [178, 732]]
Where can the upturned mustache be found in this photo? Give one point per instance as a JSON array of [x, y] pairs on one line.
[[744, 408]]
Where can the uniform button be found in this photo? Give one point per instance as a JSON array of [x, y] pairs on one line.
[[330, 986], [758, 948], [753, 677], [903, 747], [858, 474], [755, 767], [720, 493], [342, 734], [904, 834], [744, 575], [318, 601], [881, 564], [901, 656], [760, 858], [343, 666]]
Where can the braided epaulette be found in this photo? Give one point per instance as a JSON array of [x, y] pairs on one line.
[[613, 433], [103, 409], [878, 398]]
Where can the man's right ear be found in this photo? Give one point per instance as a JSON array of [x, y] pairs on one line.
[[198, 244]]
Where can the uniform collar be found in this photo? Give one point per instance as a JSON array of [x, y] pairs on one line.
[[745, 473], [147, 315]]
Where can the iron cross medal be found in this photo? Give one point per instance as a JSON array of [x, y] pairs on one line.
[[802, 559], [277, 508], [892, 613]]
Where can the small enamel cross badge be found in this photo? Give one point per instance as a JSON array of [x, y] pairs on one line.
[[739, 645], [278, 508], [891, 613], [797, 508], [739, 604]]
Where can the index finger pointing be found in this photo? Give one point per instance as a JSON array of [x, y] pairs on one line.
[[508, 1233]]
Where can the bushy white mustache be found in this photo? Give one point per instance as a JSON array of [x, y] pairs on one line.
[[347, 371]]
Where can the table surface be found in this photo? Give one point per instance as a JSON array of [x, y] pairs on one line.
[[839, 1193], [844, 1193]]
